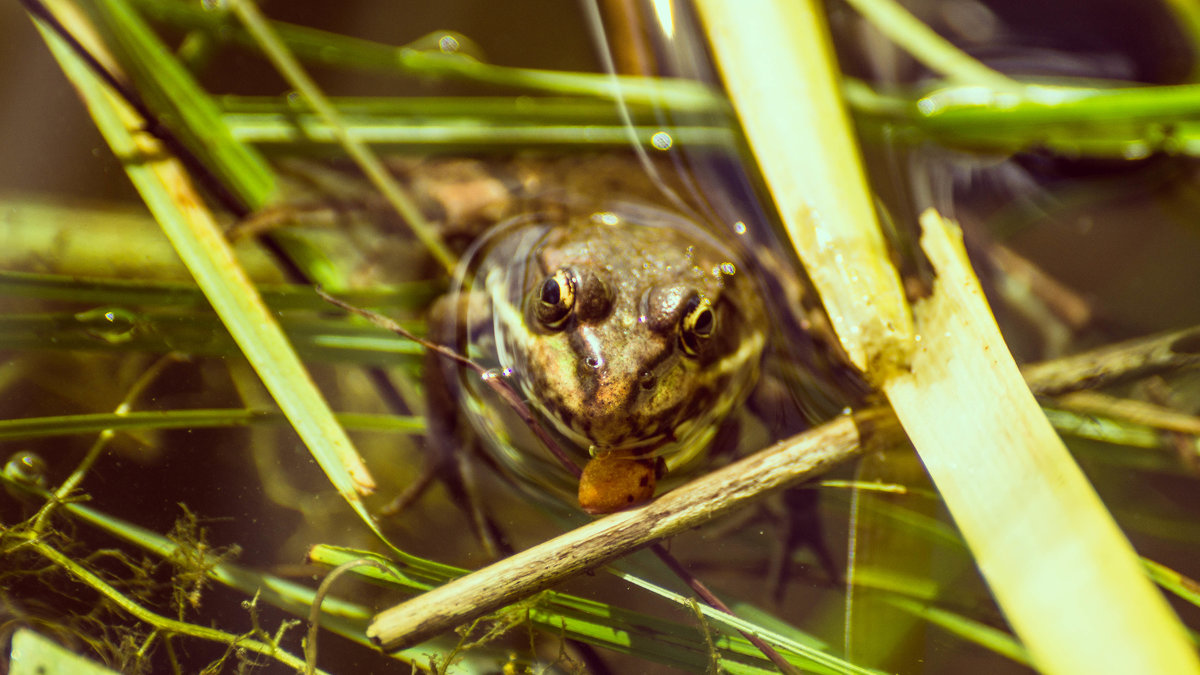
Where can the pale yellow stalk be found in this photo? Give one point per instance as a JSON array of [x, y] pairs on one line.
[[1068, 581], [779, 69]]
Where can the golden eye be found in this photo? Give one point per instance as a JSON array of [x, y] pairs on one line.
[[697, 324], [556, 299]]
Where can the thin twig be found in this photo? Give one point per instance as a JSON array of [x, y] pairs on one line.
[[314, 614], [618, 534], [497, 384], [1119, 362], [713, 601]]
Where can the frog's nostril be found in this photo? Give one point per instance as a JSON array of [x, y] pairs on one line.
[[647, 380]]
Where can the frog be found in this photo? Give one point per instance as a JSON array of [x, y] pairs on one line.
[[634, 330], [641, 334], [631, 332]]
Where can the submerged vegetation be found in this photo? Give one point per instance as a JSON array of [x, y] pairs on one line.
[[196, 438]]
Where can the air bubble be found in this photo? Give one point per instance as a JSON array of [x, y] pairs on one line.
[[113, 325], [26, 467], [496, 374]]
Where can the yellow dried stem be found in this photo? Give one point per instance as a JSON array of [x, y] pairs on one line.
[[1067, 579], [780, 71]]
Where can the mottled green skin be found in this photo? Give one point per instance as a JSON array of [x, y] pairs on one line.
[[615, 376]]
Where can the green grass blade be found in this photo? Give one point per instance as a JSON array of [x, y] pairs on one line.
[[1173, 581], [604, 625], [931, 49], [183, 106], [317, 46], [113, 328], [184, 295], [811, 658], [983, 635], [366, 159], [61, 425]]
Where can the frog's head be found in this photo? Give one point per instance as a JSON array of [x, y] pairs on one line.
[[633, 337]]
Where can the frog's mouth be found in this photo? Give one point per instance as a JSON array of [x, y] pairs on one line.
[[640, 446], [681, 438]]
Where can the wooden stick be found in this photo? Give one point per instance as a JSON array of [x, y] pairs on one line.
[[613, 536], [1115, 363]]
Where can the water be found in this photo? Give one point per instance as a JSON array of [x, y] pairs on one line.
[[1076, 248]]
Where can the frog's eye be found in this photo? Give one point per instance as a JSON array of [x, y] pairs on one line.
[[696, 325], [555, 299]]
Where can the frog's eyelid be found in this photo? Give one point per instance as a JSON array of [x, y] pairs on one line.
[[594, 297]]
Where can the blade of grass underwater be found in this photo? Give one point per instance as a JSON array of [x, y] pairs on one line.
[[178, 294], [916, 118], [1103, 429], [1124, 122], [476, 123], [1063, 573], [875, 633], [973, 631], [62, 425], [610, 627], [1092, 126], [123, 241], [812, 658], [502, 110], [403, 134], [113, 328], [931, 49], [1173, 581], [167, 192]]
